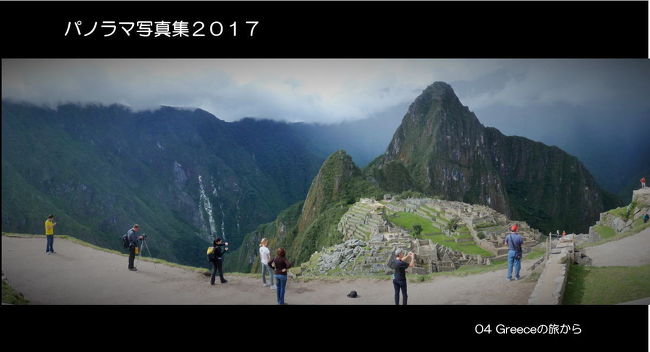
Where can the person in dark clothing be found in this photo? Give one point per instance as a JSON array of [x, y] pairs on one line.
[[134, 243], [217, 263], [280, 264], [645, 218], [400, 264]]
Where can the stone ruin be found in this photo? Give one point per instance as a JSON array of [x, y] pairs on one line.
[[370, 239], [487, 226]]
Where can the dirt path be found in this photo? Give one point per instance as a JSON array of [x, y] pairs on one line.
[[82, 275], [629, 251]]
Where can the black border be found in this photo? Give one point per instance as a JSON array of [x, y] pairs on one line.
[[338, 29], [333, 30]]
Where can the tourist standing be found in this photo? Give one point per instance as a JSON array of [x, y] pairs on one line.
[[400, 264], [514, 241], [280, 264], [643, 182], [265, 258], [645, 218], [49, 234], [134, 243], [217, 262]]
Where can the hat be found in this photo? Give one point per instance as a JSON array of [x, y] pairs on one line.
[[399, 251], [352, 294], [514, 228]]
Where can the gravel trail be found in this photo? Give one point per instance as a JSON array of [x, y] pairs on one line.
[[78, 274]]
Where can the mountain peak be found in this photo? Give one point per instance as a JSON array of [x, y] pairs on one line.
[[442, 149], [328, 186], [438, 91]]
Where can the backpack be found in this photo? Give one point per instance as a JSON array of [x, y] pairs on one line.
[[125, 240], [212, 254]]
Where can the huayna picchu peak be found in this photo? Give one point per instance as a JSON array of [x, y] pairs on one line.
[[441, 149]]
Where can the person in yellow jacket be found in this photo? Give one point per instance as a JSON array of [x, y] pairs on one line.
[[49, 234]]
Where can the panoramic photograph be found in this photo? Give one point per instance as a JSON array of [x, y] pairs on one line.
[[325, 182]]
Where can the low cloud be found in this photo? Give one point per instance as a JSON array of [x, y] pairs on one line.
[[325, 91]]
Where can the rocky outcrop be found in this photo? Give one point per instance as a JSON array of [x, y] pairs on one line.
[[620, 220], [441, 149]]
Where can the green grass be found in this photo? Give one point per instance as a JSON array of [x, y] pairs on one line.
[[11, 296], [637, 227], [407, 220], [607, 285], [534, 254], [619, 212], [605, 231]]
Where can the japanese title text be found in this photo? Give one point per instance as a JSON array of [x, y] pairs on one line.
[[164, 29]]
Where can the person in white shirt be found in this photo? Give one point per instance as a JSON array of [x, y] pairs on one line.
[[265, 258]]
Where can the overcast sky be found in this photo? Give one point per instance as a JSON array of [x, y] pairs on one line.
[[325, 90], [598, 110]]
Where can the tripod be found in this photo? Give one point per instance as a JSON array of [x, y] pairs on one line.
[[145, 245]]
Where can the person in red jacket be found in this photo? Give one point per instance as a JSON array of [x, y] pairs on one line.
[[643, 182]]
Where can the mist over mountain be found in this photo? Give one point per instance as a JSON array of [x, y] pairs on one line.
[[609, 140], [362, 139], [184, 175]]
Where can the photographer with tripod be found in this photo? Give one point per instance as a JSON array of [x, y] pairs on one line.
[[216, 258], [134, 239]]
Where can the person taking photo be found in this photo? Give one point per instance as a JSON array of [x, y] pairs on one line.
[[217, 259], [400, 263]]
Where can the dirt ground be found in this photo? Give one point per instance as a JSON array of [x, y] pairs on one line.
[[78, 274], [629, 251]]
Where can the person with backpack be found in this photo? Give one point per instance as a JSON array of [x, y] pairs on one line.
[[514, 241], [400, 263], [49, 234], [265, 258], [216, 258], [133, 243], [281, 265]]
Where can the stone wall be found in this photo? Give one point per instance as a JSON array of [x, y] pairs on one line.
[[552, 281]]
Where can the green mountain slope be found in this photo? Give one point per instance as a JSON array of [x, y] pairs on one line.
[[184, 176], [441, 149], [310, 225]]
